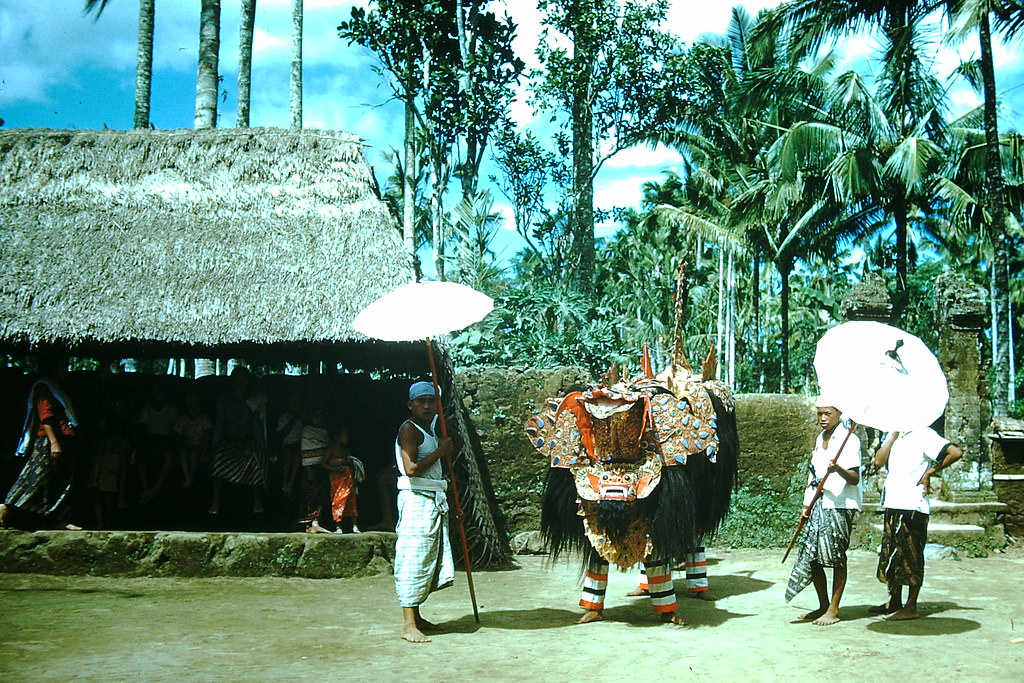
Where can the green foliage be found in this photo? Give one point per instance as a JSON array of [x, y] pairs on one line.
[[758, 518]]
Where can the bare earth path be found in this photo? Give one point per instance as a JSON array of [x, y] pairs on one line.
[[86, 628]]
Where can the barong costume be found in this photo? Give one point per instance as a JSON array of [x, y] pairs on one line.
[[638, 473], [423, 550], [826, 535], [907, 509]]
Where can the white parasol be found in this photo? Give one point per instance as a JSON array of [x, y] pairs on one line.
[[421, 310], [881, 376]]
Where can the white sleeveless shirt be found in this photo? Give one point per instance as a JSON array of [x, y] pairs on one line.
[[431, 480]]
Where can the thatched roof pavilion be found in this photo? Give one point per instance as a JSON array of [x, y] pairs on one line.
[[209, 239], [256, 243]]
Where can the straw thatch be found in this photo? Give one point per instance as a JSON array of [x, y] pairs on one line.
[[208, 238]]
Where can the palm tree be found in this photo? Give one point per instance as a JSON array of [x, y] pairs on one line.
[[245, 36], [909, 91], [295, 87], [207, 78], [143, 57], [970, 16]]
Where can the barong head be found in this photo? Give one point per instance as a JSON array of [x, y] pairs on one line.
[[421, 389]]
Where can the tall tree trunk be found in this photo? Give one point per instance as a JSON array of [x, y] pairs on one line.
[[438, 181], [755, 301], [583, 185], [295, 89], [245, 34], [207, 77], [409, 183], [144, 63], [785, 267], [899, 215], [994, 193]]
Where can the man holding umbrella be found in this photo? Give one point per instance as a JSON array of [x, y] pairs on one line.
[[911, 458], [423, 552]]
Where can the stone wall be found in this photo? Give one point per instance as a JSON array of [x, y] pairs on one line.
[[176, 553]]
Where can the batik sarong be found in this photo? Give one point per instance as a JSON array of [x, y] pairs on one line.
[[44, 484], [901, 559], [423, 551], [826, 536], [240, 460], [658, 578]]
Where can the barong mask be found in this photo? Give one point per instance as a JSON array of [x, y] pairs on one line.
[[615, 442]]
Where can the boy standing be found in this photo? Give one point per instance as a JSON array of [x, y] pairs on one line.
[[423, 553], [826, 535], [911, 458]]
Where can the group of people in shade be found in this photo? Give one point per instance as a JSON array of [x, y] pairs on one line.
[[423, 555], [237, 440], [164, 441]]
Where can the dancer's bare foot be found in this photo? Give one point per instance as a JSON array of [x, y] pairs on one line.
[[827, 619], [591, 615], [315, 528], [813, 615], [672, 618], [413, 634], [904, 614], [639, 590], [702, 595]]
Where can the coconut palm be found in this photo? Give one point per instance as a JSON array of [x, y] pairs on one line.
[[207, 75], [245, 37], [295, 83], [981, 17], [143, 58]]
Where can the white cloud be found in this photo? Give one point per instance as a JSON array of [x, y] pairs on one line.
[[644, 156]]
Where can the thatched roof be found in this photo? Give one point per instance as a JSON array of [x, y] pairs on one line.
[[210, 239]]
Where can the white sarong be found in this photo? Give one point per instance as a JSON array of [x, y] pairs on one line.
[[423, 551]]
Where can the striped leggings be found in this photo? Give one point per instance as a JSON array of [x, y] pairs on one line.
[[659, 577], [696, 572]]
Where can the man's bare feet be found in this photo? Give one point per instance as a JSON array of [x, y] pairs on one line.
[[672, 618], [813, 615], [591, 615], [639, 590], [413, 634], [826, 619], [904, 614], [702, 595], [315, 528]]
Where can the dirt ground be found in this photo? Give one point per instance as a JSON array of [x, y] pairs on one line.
[[274, 629]]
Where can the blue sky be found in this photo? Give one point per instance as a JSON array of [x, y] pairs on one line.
[[60, 69]]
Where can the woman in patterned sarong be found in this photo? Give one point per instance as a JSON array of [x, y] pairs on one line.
[[44, 486], [239, 443]]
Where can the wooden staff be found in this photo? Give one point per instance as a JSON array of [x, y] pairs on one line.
[[817, 493], [455, 486]]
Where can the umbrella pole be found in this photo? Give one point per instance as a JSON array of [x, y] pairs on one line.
[[817, 493], [455, 486]]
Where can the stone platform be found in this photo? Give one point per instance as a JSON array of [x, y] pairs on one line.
[[193, 554]]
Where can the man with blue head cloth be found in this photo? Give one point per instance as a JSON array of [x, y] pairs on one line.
[[423, 553]]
